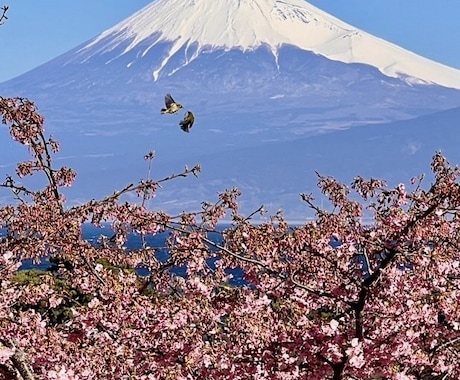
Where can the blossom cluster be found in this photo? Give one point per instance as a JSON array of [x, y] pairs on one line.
[[333, 298]]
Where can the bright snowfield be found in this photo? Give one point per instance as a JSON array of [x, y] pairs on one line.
[[248, 24]]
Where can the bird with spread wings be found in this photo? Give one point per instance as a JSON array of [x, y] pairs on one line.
[[171, 105]]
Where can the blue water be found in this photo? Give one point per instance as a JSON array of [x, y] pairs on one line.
[[92, 233], [158, 243]]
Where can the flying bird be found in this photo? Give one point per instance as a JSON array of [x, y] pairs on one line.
[[187, 122], [171, 105]]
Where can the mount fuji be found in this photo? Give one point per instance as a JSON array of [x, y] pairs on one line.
[[279, 89]]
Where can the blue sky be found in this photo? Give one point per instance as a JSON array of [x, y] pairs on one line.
[[38, 31]]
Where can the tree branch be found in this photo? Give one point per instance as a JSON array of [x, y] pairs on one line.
[[3, 17], [19, 360]]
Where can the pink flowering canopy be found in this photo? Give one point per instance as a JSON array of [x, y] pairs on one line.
[[334, 298]]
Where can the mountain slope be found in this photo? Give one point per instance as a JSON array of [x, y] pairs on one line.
[[200, 24], [286, 56], [272, 173]]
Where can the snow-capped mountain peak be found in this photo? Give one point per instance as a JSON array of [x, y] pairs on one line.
[[246, 24], [270, 86], [197, 25]]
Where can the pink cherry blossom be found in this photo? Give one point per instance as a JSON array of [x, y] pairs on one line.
[[334, 298]]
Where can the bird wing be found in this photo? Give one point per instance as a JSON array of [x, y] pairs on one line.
[[189, 119], [187, 122], [183, 122], [169, 100]]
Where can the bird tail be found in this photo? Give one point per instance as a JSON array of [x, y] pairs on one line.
[[184, 128], [163, 110]]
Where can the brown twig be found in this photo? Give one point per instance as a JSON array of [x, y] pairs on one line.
[[3, 17]]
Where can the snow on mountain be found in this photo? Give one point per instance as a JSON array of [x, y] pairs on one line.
[[197, 25]]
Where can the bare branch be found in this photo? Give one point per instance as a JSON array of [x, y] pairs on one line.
[[3, 17], [19, 360]]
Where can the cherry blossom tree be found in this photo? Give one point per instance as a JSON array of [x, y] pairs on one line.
[[333, 298]]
